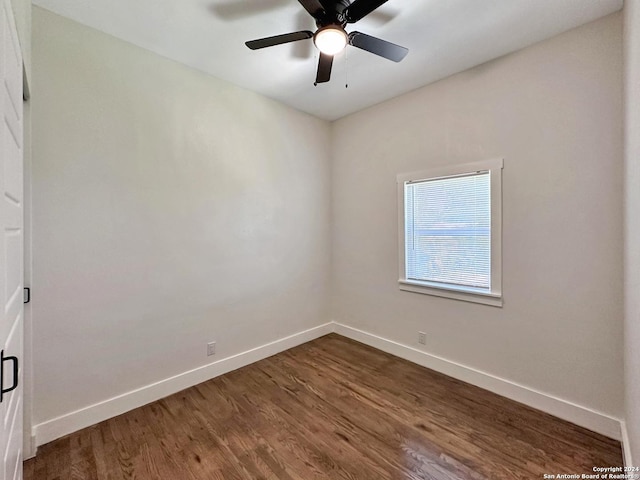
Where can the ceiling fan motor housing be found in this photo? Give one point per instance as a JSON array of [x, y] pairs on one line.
[[333, 13]]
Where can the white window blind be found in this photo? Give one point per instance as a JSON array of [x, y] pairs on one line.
[[448, 230]]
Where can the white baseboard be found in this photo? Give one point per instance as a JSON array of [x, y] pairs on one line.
[[598, 422], [582, 416], [626, 446], [58, 427]]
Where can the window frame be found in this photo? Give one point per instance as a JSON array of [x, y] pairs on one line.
[[469, 294]]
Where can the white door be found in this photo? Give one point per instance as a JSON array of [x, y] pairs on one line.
[[11, 246]]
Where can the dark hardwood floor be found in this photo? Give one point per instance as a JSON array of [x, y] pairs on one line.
[[329, 409]]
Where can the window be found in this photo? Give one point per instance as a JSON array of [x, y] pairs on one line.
[[450, 232]]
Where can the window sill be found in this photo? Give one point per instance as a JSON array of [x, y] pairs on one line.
[[466, 295]]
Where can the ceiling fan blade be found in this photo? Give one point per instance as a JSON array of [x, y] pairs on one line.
[[278, 39], [324, 68], [360, 9], [374, 45], [303, 21], [314, 7]]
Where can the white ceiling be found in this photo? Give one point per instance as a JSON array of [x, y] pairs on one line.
[[443, 37]]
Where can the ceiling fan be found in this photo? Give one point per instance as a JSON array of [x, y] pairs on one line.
[[332, 16]]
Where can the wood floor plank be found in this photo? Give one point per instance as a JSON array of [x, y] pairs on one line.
[[328, 409]]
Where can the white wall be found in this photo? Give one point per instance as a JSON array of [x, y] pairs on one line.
[[170, 209], [553, 111], [632, 229]]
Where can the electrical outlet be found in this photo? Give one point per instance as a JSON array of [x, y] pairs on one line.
[[211, 348], [422, 338]]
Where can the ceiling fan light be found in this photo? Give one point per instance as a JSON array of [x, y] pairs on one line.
[[330, 40]]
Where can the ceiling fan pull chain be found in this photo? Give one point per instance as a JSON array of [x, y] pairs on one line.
[[315, 84], [346, 69]]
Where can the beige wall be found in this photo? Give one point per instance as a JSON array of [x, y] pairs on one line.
[[553, 111], [170, 209], [632, 230]]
